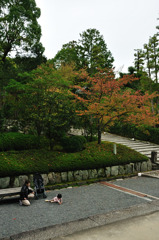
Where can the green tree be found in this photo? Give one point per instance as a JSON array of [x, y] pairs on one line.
[[68, 55], [19, 29], [8, 70], [42, 104], [139, 60], [28, 63], [93, 51], [89, 52], [154, 56], [147, 52]]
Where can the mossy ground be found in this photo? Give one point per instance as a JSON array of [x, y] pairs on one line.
[[43, 161]]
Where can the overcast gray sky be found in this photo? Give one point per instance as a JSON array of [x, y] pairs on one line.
[[125, 24]]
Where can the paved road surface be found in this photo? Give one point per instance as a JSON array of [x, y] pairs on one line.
[[79, 202], [140, 228]]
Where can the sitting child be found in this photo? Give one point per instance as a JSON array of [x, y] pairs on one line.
[[57, 199]]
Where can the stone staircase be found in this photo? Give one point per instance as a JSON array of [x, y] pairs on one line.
[[142, 147]]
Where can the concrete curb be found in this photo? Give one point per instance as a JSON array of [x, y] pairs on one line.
[[150, 174], [51, 232]]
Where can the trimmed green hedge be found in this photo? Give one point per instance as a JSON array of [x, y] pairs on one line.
[[145, 133], [73, 143], [43, 161], [19, 141]]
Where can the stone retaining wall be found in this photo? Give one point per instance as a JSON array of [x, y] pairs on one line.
[[70, 176]]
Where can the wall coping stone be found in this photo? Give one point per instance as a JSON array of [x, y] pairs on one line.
[[54, 178]]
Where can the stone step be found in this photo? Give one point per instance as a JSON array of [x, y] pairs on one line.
[[138, 144], [145, 152], [145, 148], [148, 155], [131, 144], [155, 167], [142, 147]]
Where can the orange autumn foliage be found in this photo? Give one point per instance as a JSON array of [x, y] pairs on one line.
[[107, 99]]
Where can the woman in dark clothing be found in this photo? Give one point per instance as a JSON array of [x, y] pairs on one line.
[[25, 192]]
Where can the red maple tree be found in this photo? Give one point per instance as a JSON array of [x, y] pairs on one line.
[[107, 99]]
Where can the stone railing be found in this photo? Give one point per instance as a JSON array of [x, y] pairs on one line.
[[79, 175]]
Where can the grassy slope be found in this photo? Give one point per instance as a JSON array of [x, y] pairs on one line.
[[43, 161]]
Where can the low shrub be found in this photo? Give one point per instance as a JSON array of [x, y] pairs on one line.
[[14, 163], [58, 148], [91, 138], [19, 141], [73, 143], [145, 133]]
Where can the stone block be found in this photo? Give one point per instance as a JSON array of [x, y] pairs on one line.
[[57, 177], [129, 168], [114, 171], [85, 174], [149, 165], [154, 157], [107, 171], [121, 170], [45, 179], [133, 167], [30, 177], [137, 167], [101, 172], [4, 182], [22, 179], [143, 166], [16, 182], [64, 177], [70, 176], [78, 175], [51, 178], [92, 173]]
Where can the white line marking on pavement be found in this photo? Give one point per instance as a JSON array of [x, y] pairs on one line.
[[145, 198], [130, 191]]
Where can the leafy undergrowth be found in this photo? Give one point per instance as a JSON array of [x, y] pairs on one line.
[[94, 156]]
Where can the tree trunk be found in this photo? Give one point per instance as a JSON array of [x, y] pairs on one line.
[[91, 137], [50, 144], [152, 105], [38, 129], [99, 133], [6, 51], [50, 136]]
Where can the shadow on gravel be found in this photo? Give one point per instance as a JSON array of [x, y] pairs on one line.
[[9, 200]]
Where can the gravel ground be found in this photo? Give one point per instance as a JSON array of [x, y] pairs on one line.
[[142, 184], [78, 202]]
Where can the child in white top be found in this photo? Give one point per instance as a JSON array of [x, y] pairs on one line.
[[57, 199]]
